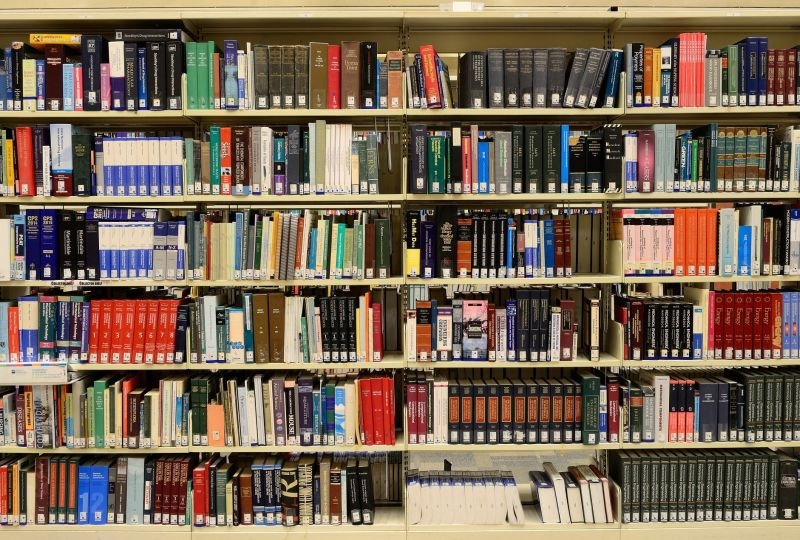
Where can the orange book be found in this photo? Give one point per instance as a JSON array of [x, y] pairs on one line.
[[711, 241], [424, 330], [648, 76], [691, 241], [298, 256], [394, 62], [26, 183], [464, 246], [678, 236], [702, 233], [216, 424], [172, 326], [225, 160], [129, 384], [13, 334]]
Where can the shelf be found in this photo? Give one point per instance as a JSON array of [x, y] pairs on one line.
[[389, 524], [606, 360], [33, 373], [533, 525], [708, 279], [95, 200], [683, 113], [96, 283], [475, 199], [694, 364], [499, 16], [695, 197], [127, 367], [287, 114], [711, 530], [387, 282], [99, 532], [709, 445], [705, 18], [281, 200], [433, 115], [579, 279], [399, 446], [93, 116], [510, 448], [108, 451], [389, 362]]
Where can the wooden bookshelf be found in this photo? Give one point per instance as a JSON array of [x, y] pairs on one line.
[[160, 450]]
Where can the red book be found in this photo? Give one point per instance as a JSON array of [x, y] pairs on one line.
[[389, 390], [200, 494], [4, 490], [106, 321], [789, 84], [183, 479], [430, 75], [683, 69], [53, 76], [128, 318], [700, 99], [775, 323], [683, 390], [95, 308], [13, 334], [377, 411], [766, 325], [166, 491], [365, 408], [26, 181], [175, 495], [158, 496], [748, 328], [757, 322], [334, 76], [772, 72], [42, 490], [129, 384], [78, 89], [558, 230], [377, 333], [412, 398], [672, 430], [646, 159], [172, 328], [139, 331], [612, 388], [151, 333], [225, 160], [719, 326], [728, 318], [422, 410], [117, 322], [738, 325], [466, 164], [163, 329], [54, 485]]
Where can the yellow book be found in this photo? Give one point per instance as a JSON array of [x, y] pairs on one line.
[[9, 162], [413, 254], [656, 77], [28, 84], [39, 40], [30, 425]]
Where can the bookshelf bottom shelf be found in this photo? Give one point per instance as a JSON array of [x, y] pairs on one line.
[[724, 530], [97, 532]]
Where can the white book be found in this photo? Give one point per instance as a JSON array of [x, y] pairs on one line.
[[545, 494], [596, 494], [560, 490], [351, 413], [660, 383], [252, 420], [586, 497], [574, 503], [135, 495]]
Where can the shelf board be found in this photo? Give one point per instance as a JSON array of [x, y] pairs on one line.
[[708, 279], [528, 198], [701, 197], [127, 367], [606, 360], [509, 448], [515, 113], [711, 17], [100, 532], [328, 198], [694, 364], [109, 451], [390, 362], [26, 373], [80, 116], [576, 279], [388, 282], [286, 114], [296, 448], [96, 283], [389, 524], [94, 200], [711, 530], [710, 445], [496, 16], [683, 112]]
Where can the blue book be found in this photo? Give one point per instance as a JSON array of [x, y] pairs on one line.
[[9, 91], [3, 83], [40, 104], [33, 263], [49, 243], [230, 74], [68, 85], [631, 168], [483, 167], [761, 61], [511, 249], [312, 252], [795, 303], [142, 169], [176, 164], [744, 256], [511, 329], [330, 413], [549, 248], [340, 230], [240, 79], [98, 493], [602, 417], [106, 213], [249, 343], [611, 88], [237, 257], [141, 78], [4, 305], [751, 71], [164, 180], [84, 354], [29, 328], [564, 158], [316, 419], [84, 491], [786, 317], [63, 322], [530, 248], [697, 337], [339, 413]]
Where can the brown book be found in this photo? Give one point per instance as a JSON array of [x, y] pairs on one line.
[[351, 74], [158, 497], [240, 136], [174, 491], [134, 420], [369, 250], [261, 328], [336, 493], [246, 497], [276, 327], [53, 77], [394, 85], [183, 479], [42, 490], [166, 483], [318, 75]]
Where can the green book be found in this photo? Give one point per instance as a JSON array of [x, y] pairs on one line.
[[214, 144], [212, 102], [48, 306], [590, 388], [347, 267], [191, 74], [733, 75], [341, 247], [190, 172], [383, 247], [358, 251], [203, 68], [695, 158], [372, 164], [89, 428], [100, 386], [359, 150], [436, 147]]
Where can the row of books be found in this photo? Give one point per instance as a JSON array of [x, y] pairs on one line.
[[711, 405], [711, 158], [525, 325], [296, 489], [140, 70], [573, 409], [469, 497], [705, 485], [709, 324], [99, 243], [515, 159], [289, 410], [746, 240], [347, 75], [448, 243], [581, 494], [684, 72], [511, 78], [108, 412], [307, 244]]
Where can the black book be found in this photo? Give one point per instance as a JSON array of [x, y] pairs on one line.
[[545, 409], [594, 164], [175, 69], [526, 77], [294, 161], [353, 492], [531, 411], [494, 62], [471, 80], [544, 324], [350, 308], [599, 81], [588, 77], [540, 69], [446, 222], [637, 53], [289, 493], [274, 69], [156, 75], [551, 158], [577, 164], [344, 327], [369, 75], [94, 51], [575, 76], [418, 159], [517, 158], [466, 427], [92, 250], [325, 322], [480, 391], [511, 77], [612, 157], [506, 394], [366, 495], [518, 411], [67, 254], [287, 77], [301, 53], [130, 50], [261, 74], [556, 76], [80, 245], [523, 324], [533, 179], [453, 412]]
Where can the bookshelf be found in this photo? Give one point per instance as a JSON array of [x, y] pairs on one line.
[[408, 26]]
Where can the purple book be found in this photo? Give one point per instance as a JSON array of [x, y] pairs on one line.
[[428, 251]]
